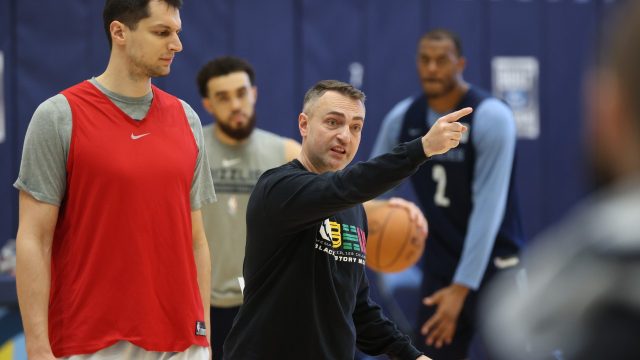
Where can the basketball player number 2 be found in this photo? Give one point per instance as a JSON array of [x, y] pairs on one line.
[[439, 175]]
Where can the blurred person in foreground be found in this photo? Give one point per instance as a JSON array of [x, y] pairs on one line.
[[583, 296]]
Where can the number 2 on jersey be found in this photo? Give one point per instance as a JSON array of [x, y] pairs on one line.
[[439, 175]]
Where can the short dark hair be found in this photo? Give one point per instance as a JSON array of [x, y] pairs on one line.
[[321, 87], [444, 34], [221, 66], [128, 12]]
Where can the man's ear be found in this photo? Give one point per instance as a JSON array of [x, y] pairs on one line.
[[303, 124], [118, 32], [206, 104], [462, 63]]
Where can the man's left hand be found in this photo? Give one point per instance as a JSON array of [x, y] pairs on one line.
[[415, 214], [441, 327]]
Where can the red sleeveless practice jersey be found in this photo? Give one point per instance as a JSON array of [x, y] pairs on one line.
[[122, 260]]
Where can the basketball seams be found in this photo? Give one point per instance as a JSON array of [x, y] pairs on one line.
[[408, 237], [381, 236], [388, 253]]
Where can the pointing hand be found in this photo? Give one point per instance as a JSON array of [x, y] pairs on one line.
[[445, 134]]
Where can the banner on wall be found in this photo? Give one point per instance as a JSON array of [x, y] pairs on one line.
[[356, 74], [3, 128], [515, 80]]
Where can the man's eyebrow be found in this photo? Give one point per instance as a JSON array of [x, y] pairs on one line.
[[337, 113], [225, 92], [164, 26]]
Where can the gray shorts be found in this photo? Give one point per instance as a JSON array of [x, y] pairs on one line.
[[124, 350]]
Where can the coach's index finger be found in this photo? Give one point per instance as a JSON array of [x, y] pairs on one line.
[[456, 115]]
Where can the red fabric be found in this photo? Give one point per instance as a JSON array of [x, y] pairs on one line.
[[122, 263]]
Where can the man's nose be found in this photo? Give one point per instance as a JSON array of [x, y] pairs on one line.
[[235, 103], [344, 135], [175, 45], [432, 66]]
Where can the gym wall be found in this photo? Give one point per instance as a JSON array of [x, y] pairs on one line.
[[47, 46]]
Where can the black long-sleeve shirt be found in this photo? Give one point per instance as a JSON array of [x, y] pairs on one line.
[[307, 293]]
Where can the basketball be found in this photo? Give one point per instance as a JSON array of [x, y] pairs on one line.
[[393, 243]]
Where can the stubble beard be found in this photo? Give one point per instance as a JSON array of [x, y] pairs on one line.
[[140, 70]]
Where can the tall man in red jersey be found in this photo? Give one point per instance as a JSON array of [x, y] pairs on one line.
[[112, 257]]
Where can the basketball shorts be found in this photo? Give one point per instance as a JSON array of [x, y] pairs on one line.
[[124, 350]]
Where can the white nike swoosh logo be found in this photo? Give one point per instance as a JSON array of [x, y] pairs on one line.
[[230, 162], [136, 137]]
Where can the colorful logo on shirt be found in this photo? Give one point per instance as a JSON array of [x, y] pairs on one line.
[[345, 242]]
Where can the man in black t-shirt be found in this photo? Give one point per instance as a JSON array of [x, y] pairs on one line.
[[307, 294]]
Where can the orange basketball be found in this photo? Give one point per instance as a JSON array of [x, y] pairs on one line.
[[393, 243]]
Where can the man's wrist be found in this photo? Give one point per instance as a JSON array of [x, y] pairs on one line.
[[39, 351], [460, 289], [425, 147]]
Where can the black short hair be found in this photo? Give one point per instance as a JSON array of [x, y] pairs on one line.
[[444, 34], [128, 12], [321, 87], [221, 66]]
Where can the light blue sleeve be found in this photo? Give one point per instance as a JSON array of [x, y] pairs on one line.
[[494, 138], [389, 133]]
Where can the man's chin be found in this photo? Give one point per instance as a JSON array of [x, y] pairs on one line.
[[237, 130], [239, 133], [433, 93], [340, 164], [159, 73]]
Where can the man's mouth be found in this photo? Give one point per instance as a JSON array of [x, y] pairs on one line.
[[339, 150], [238, 118]]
